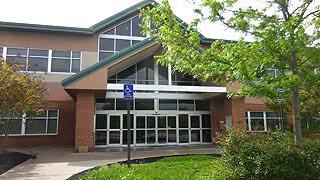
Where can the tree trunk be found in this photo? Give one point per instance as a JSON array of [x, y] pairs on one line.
[[296, 114]]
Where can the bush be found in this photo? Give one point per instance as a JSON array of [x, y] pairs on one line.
[[270, 156]]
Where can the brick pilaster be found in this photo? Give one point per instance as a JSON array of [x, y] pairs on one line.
[[85, 120]]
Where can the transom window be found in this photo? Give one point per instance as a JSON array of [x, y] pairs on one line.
[[43, 60], [120, 37], [262, 121], [41, 124]]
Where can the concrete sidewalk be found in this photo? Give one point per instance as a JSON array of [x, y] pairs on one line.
[[61, 163]]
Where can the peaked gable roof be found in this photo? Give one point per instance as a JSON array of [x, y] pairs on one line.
[[141, 45]]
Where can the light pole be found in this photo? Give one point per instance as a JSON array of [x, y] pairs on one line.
[[280, 100]]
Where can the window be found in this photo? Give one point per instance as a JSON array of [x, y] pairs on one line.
[[262, 121], [65, 61], [169, 104], [186, 105], [120, 37], [105, 104], [44, 123], [39, 60], [144, 104]]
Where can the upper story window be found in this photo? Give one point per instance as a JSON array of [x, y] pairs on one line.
[[65, 61], [120, 37], [43, 60]]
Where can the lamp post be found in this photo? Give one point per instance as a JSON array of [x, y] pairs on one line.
[[280, 100]]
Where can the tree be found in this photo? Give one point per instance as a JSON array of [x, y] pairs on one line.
[[20, 94], [285, 44]]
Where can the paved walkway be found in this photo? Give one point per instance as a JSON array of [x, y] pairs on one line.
[[61, 163]]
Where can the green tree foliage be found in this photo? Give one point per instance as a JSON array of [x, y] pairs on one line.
[[285, 35], [19, 94]]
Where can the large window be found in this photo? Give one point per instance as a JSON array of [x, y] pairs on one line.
[[262, 121], [120, 37], [43, 60], [42, 124]]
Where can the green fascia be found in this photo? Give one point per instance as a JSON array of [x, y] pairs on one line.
[[66, 82], [121, 15], [205, 40]]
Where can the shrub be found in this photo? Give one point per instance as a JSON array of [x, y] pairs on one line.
[[270, 156]]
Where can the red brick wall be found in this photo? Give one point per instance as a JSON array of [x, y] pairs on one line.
[[84, 135], [66, 129], [236, 109], [218, 114]]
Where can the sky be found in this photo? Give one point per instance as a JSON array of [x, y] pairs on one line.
[[85, 13]]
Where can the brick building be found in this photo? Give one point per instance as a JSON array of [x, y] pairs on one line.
[[84, 71]]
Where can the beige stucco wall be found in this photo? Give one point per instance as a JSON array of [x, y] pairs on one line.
[[48, 40], [89, 58]]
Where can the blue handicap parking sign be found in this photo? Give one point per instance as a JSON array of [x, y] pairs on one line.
[[128, 91]]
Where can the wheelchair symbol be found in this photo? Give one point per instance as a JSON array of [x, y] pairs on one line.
[[127, 90]]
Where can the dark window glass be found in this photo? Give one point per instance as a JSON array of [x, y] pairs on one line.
[[195, 122], [151, 122], [151, 136], [17, 51], [122, 44], [202, 105], [206, 135], [195, 135], [52, 126], [136, 29], [256, 114], [145, 71], [110, 32], [141, 134], [140, 122], [104, 104], [257, 124], [124, 29], [127, 75], [183, 121], [144, 104], [101, 138], [163, 75], [1, 51], [75, 67], [114, 137], [183, 136], [162, 136], [124, 137], [60, 65], [172, 122], [121, 104], [52, 113], [36, 126], [15, 126], [125, 121], [162, 122], [165, 104], [172, 136], [38, 52], [76, 54], [186, 105], [104, 55], [106, 44], [114, 122], [17, 60], [206, 121], [57, 53], [182, 79], [37, 64], [101, 121]]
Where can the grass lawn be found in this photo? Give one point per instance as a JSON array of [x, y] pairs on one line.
[[179, 167]]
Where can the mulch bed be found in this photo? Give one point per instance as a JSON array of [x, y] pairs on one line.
[[133, 161], [11, 159]]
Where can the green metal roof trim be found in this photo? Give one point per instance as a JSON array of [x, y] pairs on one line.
[[75, 30], [211, 40], [105, 62], [113, 19]]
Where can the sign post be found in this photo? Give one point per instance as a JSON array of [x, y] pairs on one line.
[[128, 95]]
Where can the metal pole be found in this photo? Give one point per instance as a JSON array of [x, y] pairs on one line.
[[128, 132], [282, 120]]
